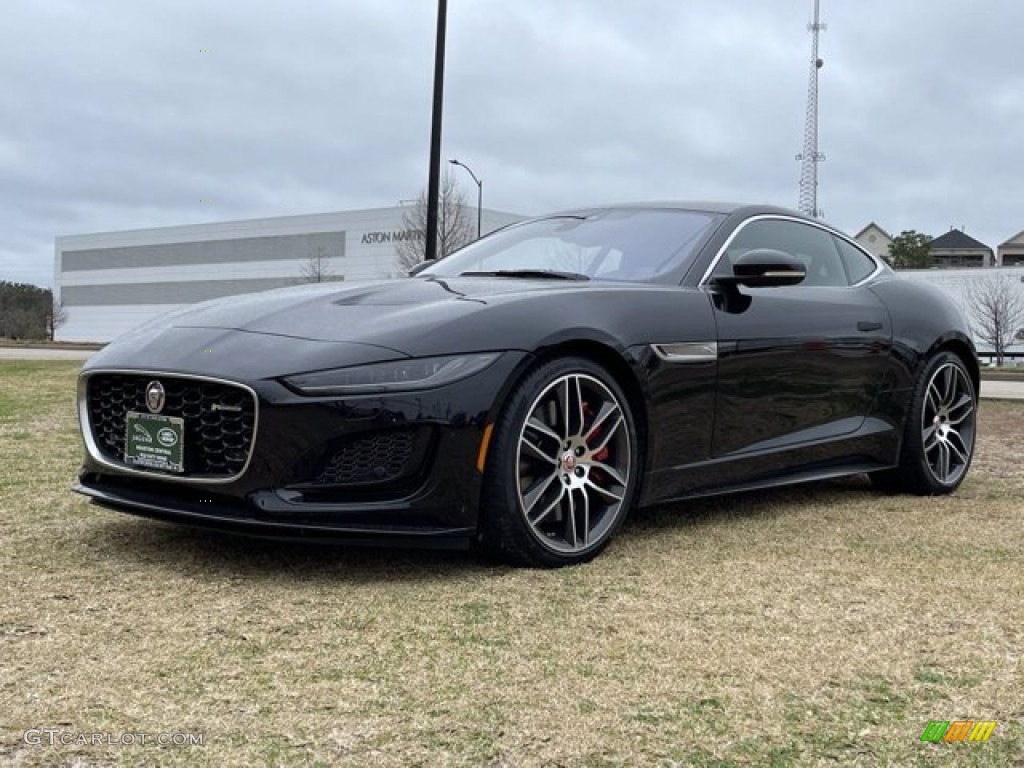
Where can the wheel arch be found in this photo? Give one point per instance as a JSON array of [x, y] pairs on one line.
[[916, 472], [600, 352], [964, 349], [496, 530], [618, 367], [914, 362]]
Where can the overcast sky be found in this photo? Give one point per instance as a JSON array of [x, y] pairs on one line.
[[117, 114]]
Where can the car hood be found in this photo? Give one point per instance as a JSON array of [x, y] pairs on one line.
[[312, 327], [363, 312]]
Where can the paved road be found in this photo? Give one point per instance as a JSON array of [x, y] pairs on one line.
[[1007, 390], [22, 353]]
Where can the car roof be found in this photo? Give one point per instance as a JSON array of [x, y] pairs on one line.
[[705, 206]]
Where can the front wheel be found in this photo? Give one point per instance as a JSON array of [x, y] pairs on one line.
[[938, 441], [562, 472]]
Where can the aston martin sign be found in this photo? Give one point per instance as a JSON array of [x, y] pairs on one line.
[[395, 236]]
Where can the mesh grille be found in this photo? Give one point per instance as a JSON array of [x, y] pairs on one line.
[[375, 458], [217, 439]]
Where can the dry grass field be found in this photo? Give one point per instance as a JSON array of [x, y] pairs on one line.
[[823, 625]]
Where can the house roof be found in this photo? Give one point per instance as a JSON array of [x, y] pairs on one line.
[[957, 240], [875, 226], [1017, 239]]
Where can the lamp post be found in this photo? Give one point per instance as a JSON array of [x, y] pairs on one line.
[[479, 197], [435, 133]]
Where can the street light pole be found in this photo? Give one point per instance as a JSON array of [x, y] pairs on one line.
[[435, 133], [479, 197]]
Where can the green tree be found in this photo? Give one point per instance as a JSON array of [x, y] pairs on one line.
[[24, 311], [909, 250]]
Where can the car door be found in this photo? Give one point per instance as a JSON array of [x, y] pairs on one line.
[[802, 363]]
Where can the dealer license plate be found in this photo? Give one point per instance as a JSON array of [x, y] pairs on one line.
[[153, 441]]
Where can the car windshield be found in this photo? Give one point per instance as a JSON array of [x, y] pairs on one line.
[[637, 245]]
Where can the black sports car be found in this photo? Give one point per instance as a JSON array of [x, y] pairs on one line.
[[527, 391]]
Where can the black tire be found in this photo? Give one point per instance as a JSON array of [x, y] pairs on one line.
[[562, 469], [938, 438]]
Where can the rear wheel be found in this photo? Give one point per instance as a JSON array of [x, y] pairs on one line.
[[938, 441], [561, 474]]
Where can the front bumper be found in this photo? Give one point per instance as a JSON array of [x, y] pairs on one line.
[[284, 491], [229, 515]]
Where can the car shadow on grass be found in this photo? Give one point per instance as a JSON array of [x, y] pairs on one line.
[[178, 549], [768, 504], [182, 549]]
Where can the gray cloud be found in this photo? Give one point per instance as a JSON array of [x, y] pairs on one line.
[[113, 117]]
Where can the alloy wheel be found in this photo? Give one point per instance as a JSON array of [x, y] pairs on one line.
[[948, 423], [573, 463]]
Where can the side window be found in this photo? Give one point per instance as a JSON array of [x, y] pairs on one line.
[[858, 264], [815, 247]]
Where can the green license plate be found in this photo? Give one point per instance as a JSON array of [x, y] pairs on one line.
[[153, 441]]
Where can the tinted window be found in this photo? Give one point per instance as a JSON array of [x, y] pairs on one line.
[[813, 246], [634, 245], [858, 264]]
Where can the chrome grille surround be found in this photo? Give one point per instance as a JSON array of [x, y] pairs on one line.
[[102, 447]]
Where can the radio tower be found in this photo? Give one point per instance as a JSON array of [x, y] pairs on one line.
[[810, 157]]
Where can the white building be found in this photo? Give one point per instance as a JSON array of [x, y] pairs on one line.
[[875, 239], [1011, 253], [956, 249], [956, 284], [110, 282]]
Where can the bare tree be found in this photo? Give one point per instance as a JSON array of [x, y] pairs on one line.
[[318, 269], [58, 316], [997, 305], [456, 225]]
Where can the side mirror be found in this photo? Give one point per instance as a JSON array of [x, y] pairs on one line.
[[763, 268], [421, 266]]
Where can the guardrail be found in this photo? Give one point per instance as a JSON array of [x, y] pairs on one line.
[[990, 357]]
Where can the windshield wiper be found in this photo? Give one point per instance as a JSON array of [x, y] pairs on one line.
[[541, 273]]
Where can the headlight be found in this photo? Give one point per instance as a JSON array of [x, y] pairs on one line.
[[394, 376]]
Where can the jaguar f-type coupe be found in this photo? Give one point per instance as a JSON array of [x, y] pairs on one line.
[[526, 392]]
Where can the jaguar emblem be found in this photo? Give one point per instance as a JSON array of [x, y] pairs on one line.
[[155, 396]]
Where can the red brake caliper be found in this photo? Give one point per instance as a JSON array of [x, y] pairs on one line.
[[601, 455]]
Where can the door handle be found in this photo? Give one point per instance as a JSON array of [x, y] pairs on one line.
[[867, 326]]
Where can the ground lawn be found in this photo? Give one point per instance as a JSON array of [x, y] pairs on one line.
[[825, 625]]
